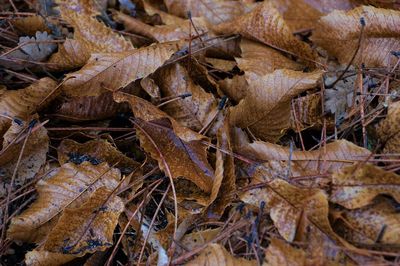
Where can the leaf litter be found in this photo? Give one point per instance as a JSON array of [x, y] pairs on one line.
[[213, 132]]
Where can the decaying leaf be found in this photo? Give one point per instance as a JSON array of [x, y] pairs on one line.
[[20, 104], [389, 129], [112, 71], [266, 25], [356, 186], [193, 112], [215, 254], [266, 108], [95, 150], [215, 11], [339, 31], [87, 228], [280, 253], [70, 185]]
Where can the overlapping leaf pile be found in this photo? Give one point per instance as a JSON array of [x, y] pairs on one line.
[[212, 132]]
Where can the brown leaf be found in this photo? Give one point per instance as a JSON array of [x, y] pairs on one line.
[[215, 254], [33, 156], [254, 55], [266, 108], [357, 185], [90, 108], [179, 149], [235, 88], [45, 258], [90, 36], [30, 25], [87, 228], [99, 150], [266, 25], [112, 71], [215, 11], [22, 103], [70, 185], [371, 225], [339, 32], [199, 238], [389, 129], [193, 112], [280, 253]]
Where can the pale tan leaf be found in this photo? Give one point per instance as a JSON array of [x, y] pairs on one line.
[[193, 112], [280, 253], [339, 32], [45, 258], [357, 185], [389, 129], [215, 11], [327, 6], [221, 64], [261, 59], [376, 224], [33, 156], [87, 228], [112, 71], [97, 150], [69, 185], [22, 103], [266, 108], [90, 36], [199, 238], [217, 255], [266, 25]]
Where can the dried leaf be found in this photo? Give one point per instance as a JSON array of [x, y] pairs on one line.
[[199, 238], [389, 131], [70, 185], [266, 108], [356, 186], [112, 71], [193, 112], [22, 103], [266, 25], [45, 258], [97, 150], [215, 11], [376, 224], [215, 254], [280, 253], [30, 25], [339, 32], [235, 88], [261, 59], [90, 108], [88, 228], [90, 36], [33, 156]]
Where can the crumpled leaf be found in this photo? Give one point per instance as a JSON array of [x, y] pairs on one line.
[[388, 129], [193, 112], [375, 224], [280, 253], [339, 32], [90, 36], [179, 149], [33, 156], [70, 185], [215, 11], [294, 209], [216, 254], [97, 150], [266, 25], [112, 71], [22, 103], [87, 228], [266, 108], [89, 108], [356, 186], [254, 55]]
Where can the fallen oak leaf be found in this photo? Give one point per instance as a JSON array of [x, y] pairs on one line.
[[357, 185], [112, 71]]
